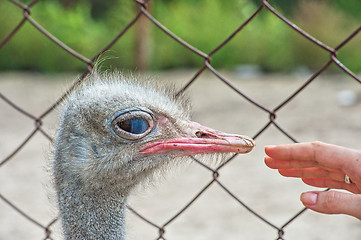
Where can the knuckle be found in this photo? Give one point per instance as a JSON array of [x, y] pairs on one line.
[[331, 201], [317, 144], [317, 150]]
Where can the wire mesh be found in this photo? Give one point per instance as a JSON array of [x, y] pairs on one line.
[[207, 65]]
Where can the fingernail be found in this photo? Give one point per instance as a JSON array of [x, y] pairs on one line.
[[309, 198]]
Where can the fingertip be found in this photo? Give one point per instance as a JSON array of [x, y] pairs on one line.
[[267, 161], [306, 180], [270, 162], [283, 172], [309, 199], [269, 148]]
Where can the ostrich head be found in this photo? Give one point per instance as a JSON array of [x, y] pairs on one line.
[[114, 133]]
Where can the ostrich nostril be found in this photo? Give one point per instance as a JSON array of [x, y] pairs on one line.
[[200, 134]]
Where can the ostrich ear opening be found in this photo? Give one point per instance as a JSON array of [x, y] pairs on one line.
[[201, 140]]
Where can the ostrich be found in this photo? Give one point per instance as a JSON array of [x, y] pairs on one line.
[[114, 133]]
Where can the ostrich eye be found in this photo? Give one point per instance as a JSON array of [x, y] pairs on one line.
[[132, 124]]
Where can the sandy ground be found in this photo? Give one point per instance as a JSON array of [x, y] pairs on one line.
[[315, 114]]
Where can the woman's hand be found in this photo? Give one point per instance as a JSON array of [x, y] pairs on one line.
[[322, 165]]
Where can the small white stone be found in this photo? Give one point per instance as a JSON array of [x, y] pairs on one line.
[[346, 97]]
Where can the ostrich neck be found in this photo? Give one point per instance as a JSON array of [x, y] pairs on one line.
[[92, 214]]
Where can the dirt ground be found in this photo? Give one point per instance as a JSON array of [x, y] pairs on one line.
[[315, 114]]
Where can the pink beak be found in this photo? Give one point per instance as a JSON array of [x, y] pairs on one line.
[[202, 140]]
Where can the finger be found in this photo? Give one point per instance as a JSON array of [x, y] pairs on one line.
[[299, 151], [325, 154], [329, 183], [281, 164], [333, 202], [315, 172]]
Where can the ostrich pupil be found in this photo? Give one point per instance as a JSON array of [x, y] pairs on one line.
[[134, 125]]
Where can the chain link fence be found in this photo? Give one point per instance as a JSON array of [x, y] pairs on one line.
[[206, 66]]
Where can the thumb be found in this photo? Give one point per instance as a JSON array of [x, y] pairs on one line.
[[333, 202]]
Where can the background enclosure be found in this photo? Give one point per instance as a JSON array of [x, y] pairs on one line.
[[219, 53]]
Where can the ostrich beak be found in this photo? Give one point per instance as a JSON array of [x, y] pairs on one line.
[[200, 140]]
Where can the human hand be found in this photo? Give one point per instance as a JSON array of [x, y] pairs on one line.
[[321, 165]]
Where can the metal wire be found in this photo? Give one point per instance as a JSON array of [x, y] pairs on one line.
[[142, 10]]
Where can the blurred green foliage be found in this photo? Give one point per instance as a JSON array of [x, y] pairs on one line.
[[88, 25]]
